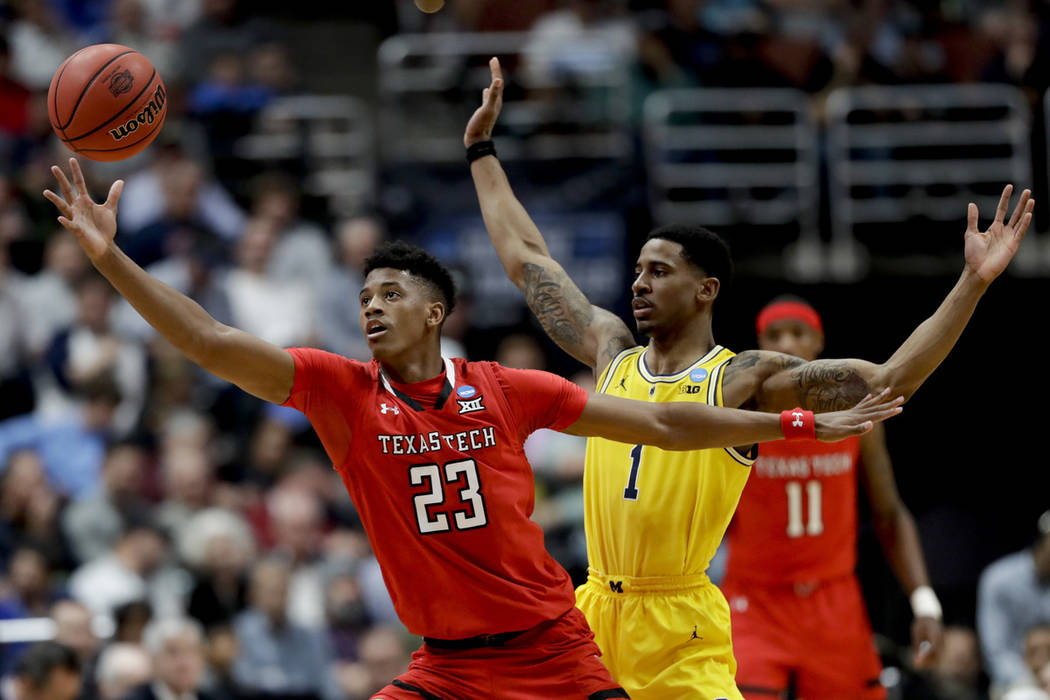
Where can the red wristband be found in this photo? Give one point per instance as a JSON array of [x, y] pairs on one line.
[[798, 424]]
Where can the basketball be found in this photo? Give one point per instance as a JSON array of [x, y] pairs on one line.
[[106, 102]]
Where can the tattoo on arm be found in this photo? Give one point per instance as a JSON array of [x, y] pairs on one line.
[[829, 385], [560, 307]]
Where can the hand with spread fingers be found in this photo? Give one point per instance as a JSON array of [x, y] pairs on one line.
[[93, 224], [988, 253], [480, 126]]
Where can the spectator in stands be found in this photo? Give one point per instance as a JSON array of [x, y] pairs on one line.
[[71, 446], [176, 647], [131, 620], [1013, 595], [957, 666], [297, 522], [47, 671], [218, 547], [30, 595], [339, 329], [1036, 658], [49, 297], [14, 98], [93, 524], [121, 668], [347, 617], [180, 219], [278, 658], [187, 474], [90, 348], [15, 384], [223, 27], [73, 629], [39, 44], [133, 571], [302, 253], [384, 655], [272, 309], [583, 39], [174, 187], [128, 25], [220, 653], [29, 509]]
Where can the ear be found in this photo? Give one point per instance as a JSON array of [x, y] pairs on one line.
[[820, 344], [707, 289], [435, 314]]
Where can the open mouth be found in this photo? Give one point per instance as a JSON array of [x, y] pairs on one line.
[[374, 329]]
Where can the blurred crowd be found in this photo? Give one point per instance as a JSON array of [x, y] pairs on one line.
[[173, 537]]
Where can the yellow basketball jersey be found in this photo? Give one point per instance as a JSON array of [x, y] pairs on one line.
[[651, 512]]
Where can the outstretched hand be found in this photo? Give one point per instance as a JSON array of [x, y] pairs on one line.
[[479, 128], [839, 425], [988, 253], [93, 224]]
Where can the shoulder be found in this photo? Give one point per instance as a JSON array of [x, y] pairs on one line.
[[1007, 570], [143, 692]]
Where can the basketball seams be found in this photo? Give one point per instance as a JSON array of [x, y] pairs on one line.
[[87, 86], [149, 83]]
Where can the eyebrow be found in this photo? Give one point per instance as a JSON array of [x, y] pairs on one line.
[[381, 285]]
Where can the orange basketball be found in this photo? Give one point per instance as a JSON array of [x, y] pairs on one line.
[[106, 102]]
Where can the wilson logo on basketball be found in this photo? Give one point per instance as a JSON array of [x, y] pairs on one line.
[[121, 82], [147, 115]]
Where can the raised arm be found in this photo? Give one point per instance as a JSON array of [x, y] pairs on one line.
[[258, 367], [592, 335], [771, 381], [685, 425]]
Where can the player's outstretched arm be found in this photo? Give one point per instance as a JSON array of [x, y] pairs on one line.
[[592, 335], [254, 365], [777, 382], [684, 425]]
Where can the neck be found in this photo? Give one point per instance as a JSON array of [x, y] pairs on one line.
[[415, 365], [671, 350]]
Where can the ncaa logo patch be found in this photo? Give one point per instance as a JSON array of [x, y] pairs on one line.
[[466, 391], [698, 375]]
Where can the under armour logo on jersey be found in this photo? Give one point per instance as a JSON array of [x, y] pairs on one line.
[[386, 409], [470, 405], [798, 419], [616, 586]]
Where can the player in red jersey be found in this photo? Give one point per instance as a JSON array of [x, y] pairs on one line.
[[430, 451], [798, 616]]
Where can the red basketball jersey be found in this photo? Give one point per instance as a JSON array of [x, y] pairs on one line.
[[797, 518], [445, 493]]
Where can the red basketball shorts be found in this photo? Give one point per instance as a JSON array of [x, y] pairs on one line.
[[817, 636], [557, 659]]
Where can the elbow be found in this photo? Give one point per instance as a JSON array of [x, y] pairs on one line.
[[894, 379], [666, 435]]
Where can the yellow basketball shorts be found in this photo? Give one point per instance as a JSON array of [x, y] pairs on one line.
[[662, 638]]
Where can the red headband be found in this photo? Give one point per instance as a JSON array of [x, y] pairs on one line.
[[793, 310]]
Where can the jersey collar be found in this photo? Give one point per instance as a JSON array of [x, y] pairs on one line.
[[446, 389]]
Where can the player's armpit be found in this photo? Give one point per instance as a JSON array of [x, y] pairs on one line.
[[260, 368]]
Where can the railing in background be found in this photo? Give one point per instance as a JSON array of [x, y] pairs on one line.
[[332, 135], [918, 153], [431, 83], [728, 157]]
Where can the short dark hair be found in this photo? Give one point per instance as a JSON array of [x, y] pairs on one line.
[[399, 255], [40, 661], [702, 247]]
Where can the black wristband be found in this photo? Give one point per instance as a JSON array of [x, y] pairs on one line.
[[480, 150]]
